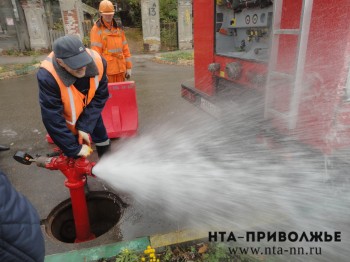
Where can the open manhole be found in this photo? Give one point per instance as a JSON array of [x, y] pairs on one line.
[[105, 209]]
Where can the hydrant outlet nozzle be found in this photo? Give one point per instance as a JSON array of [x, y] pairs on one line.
[[42, 161]]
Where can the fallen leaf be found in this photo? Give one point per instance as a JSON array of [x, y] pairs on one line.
[[203, 249]]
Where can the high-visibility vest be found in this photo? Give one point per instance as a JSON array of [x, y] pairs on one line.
[[74, 101]]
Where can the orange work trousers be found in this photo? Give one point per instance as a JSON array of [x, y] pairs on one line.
[[116, 78]]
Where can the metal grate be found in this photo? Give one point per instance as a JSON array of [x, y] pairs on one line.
[[168, 36]]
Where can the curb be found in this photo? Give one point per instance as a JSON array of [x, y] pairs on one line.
[[15, 73], [176, 237], [138, 244], [103, 251]]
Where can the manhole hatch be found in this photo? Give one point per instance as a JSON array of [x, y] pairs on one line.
[[105, 210]]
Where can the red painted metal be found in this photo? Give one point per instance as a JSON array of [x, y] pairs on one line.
[[49, 139], [204, 44], [326, 68], [120, 114], [249, 71], [204, 52], [75, 171], [323, 113]]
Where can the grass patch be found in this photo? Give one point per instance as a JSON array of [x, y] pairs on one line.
[[21, 68], [184, 58], [177, 56], [18, 68], [15, 52]]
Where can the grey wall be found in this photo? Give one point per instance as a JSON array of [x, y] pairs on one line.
[[185, 24], [8, 34], [150, 24]]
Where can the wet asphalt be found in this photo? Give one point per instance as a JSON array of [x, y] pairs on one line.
[[159, 100]]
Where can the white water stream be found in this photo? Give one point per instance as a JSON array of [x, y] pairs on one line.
[[215, 174]]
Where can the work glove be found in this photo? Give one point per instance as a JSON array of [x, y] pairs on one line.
[[128, 73], [85, 151], [83, 138]]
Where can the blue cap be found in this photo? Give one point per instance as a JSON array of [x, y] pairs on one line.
[[71, 50]]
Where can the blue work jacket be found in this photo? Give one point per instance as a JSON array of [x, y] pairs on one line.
[[21, 238], [90, 121]]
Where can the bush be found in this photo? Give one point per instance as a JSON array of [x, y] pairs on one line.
[[86, 41]]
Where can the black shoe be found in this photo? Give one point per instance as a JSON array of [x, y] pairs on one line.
[[101, 150], [4, 148]]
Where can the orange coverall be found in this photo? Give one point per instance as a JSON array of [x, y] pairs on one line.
[[110, 42]]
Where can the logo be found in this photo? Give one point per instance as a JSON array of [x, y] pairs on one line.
[[81, 49]]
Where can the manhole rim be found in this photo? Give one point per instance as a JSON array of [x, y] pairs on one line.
[[67, 203]]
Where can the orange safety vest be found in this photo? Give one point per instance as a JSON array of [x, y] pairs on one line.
[[74, 101]]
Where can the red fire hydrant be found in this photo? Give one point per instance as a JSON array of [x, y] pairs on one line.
[[75, 171]]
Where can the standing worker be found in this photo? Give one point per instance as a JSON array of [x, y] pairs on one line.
[[109, 40], [72, 93]]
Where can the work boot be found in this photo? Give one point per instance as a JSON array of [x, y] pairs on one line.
[[3, 148], [101, 150]]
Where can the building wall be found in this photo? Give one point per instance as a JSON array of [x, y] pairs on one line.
[[36, 22], [8, 34], [72, 14], [27, 25]]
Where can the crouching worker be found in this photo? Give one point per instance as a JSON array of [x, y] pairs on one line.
[[21, 238], [72, 93]]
